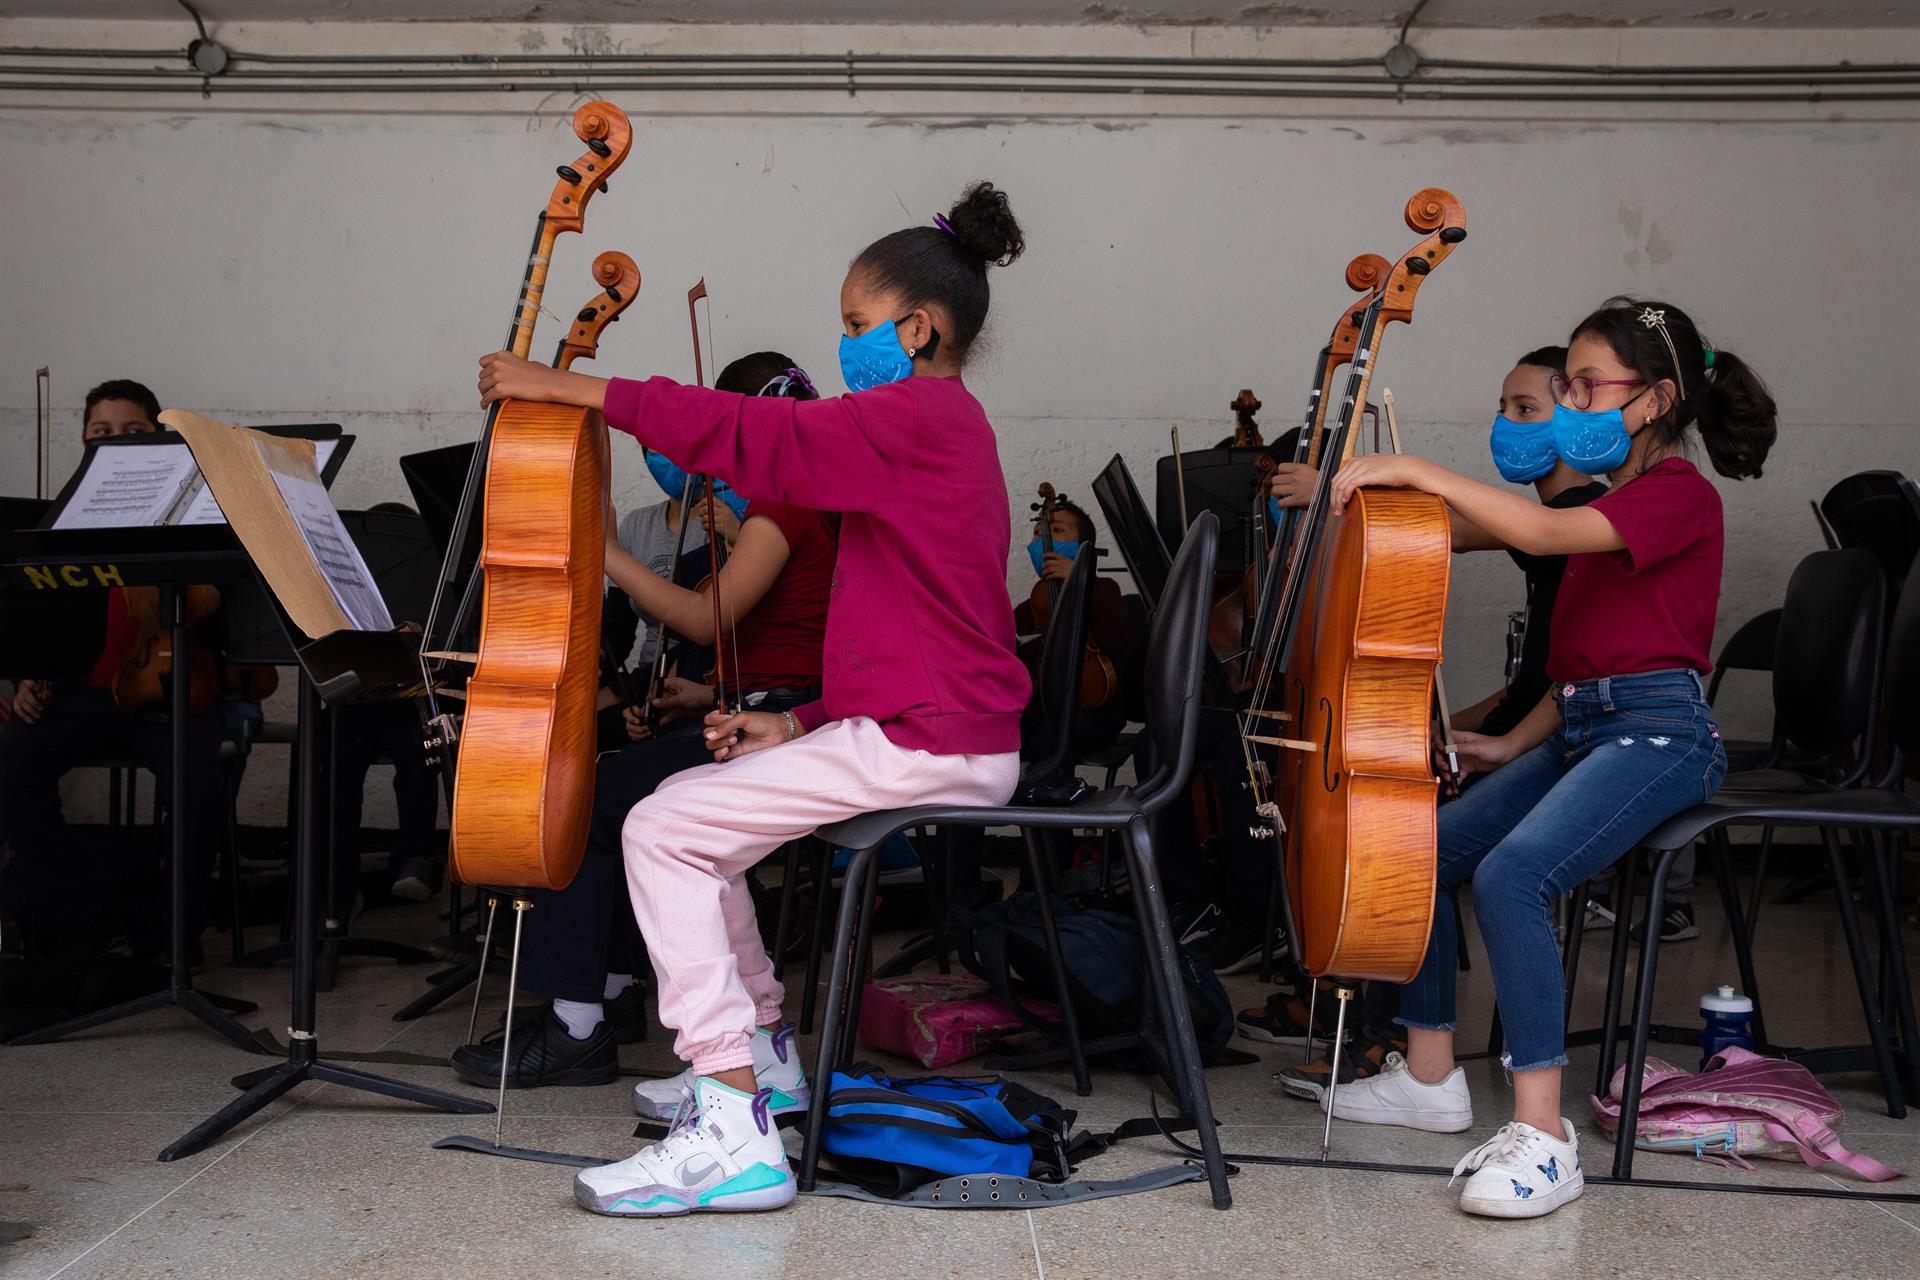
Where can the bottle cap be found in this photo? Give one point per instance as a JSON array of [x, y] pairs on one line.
[[1725, 1000]]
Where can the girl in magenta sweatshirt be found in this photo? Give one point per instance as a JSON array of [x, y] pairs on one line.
[[921, 689]]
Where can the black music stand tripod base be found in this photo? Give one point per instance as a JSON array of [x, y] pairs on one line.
[[180, 993], [262, 1087]]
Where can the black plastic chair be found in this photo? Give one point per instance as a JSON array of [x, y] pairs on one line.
[[1751, 648], [1844, 588], [1174, 654], [1878, 511]]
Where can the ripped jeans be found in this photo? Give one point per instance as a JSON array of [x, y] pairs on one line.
[[1631, 752]]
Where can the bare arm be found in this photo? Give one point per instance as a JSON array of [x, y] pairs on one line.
[[745, 580], [1513, 521]]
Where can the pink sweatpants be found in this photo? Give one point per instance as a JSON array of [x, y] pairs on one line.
[[690, 844]]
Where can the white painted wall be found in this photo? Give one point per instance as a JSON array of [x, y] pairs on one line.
[[344, 260]]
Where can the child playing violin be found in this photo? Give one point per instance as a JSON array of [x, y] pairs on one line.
[[1623, 741], [581, 946], [922, 691]]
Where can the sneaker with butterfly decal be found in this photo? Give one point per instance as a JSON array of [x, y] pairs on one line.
[[723, 1155], [1522, 1172]]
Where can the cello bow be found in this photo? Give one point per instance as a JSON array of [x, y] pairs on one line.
[[723, 633]]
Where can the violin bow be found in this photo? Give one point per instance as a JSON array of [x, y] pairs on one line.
[[722, 634], [1447, 743]]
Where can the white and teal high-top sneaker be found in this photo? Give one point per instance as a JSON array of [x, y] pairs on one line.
[[776, 1066], [723, 1155]]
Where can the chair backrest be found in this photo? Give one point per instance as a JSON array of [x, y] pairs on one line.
[[1176, 650], [1750, 648], [1826, 673], [1061, 656], [1133, 673], [1878, 511], [1903, 670]]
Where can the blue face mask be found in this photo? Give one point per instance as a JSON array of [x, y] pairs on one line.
[[874, 359], [673, 482], [1523, 451], [1594, 441], [1037, 552]]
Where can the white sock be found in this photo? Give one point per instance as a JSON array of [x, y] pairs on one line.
[[580, 1016], [616, 984]]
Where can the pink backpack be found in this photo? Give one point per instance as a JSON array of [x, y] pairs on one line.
[[1741, 1105]]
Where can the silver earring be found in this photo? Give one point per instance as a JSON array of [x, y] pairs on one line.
[[912, 352]]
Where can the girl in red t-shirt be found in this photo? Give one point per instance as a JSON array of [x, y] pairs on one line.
[[1623, 741]]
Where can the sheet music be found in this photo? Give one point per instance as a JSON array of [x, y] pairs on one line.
[[129, 486], [332, 547], [205, 510]]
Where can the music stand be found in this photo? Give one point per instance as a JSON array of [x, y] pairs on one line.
[[1218, 480], [90, 560], [341, 666]]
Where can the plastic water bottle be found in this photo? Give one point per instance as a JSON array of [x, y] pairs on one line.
[[1727, 1015]]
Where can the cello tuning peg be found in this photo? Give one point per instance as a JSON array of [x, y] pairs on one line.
[[599, 147], [1418, 266], [613, 293], [567, 171], [1453, 235], [586, 313], [603, 186]]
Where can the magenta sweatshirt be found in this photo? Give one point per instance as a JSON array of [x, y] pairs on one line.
[[919, 634]]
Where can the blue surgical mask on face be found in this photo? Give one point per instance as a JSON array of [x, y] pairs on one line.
[[672, 480], [874, 359], [1523, 451], [1037, 552], [1594, 441]]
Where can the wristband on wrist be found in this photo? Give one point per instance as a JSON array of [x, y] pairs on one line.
[[793, 725]]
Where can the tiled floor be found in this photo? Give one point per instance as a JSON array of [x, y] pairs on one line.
[[338, 1184]]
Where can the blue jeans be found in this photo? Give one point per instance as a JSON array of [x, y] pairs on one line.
[[1631, 752]]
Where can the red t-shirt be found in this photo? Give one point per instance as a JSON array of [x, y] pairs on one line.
[[119, 641], [779, 642], [1651, 606]]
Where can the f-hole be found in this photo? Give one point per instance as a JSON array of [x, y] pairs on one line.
[[1331, 783]]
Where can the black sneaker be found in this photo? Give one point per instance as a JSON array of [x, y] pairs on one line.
[[417, 880], [1364, 1056], [1228, 950], [1283, 1020], [1677, 925], [544, 1053], [1599, 913], [626, 1013]]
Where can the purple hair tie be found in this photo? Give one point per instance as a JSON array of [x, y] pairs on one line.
[[945, 226]]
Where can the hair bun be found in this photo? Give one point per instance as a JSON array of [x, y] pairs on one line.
[[985, 226]]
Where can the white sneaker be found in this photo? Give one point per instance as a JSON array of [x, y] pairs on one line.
[[1522, 1172], [1396, 1097], [723, 1155], [776, 1066]]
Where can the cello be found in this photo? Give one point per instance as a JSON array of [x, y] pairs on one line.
[[1355, 643]]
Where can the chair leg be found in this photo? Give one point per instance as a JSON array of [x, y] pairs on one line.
[[1862, 974], [1176, 1019], [862, 953], [822, 894], [1759, 880], [1642, 1006], [783, 924], [1576, 932], [1625, 871], [825, 1058], [1056, 963], [1900, 989], [1722, 850]]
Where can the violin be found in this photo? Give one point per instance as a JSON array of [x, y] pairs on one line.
[[523, 782], [1351, 658], [145, 673], [1099, 682], [1246, 432]]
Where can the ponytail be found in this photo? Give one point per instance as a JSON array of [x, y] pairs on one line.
[[1736, 416], [1716, 390]]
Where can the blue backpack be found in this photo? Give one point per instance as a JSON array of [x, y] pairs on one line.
[[886, 1133]]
